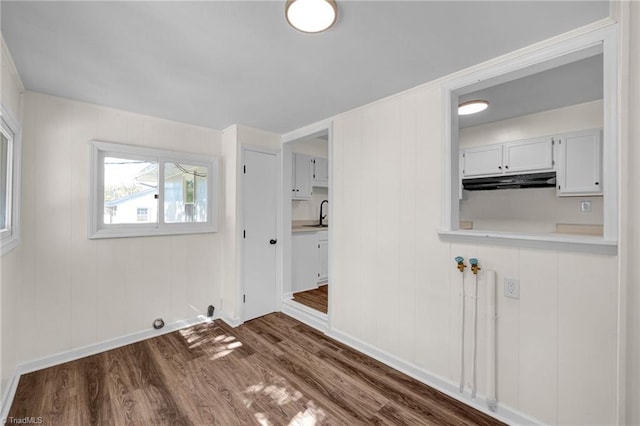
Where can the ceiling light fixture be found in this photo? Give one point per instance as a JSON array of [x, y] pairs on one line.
[[311, 16], [472, 107]]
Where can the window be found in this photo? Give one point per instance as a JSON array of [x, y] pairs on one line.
[[141, 191], [597, 47], [9, 183]]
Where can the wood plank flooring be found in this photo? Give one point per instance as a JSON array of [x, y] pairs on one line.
[[273, 370], [317, 299]]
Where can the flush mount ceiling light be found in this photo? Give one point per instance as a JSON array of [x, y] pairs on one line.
[[472, 107], [311, 16]]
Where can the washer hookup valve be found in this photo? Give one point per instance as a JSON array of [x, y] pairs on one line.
[[460, 261]]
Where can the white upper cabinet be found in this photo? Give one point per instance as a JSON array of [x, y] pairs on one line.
[[530, 155], [320, 172], [525, 156], [301, 177], [580, 163], [482, 161]]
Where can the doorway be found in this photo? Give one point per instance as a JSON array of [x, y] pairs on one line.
[[259, 234], [307, 229]]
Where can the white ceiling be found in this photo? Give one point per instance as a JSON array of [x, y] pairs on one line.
[[218, 63]]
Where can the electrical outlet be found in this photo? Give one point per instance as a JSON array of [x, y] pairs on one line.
[[585, 206], [512, 288]]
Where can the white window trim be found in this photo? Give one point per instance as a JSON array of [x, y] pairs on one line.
[[11, 238], [97, 228], [607, 244]]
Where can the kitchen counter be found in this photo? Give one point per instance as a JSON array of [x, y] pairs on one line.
[[300, 226]]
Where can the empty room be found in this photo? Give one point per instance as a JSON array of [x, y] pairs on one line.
[[320, 212]]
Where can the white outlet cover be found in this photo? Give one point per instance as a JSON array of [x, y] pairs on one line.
[[512, 288], [585, 206]]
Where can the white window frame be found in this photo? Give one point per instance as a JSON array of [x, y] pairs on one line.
[[605, 36], [97, 227], [10, 235]]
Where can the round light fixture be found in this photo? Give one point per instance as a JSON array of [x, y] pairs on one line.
[[472, 107], [311, 16]]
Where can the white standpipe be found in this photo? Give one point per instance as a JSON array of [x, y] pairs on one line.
[[491, 340], [474, 349], [462, 301]]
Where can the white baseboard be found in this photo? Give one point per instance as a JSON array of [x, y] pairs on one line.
[[503, 413], [84, 351], [304, 314], [8, 395], [287, 296], [233, 322]]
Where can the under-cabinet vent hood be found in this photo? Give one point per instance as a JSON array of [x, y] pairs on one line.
[[532, 180]]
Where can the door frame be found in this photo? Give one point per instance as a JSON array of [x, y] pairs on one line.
[[278, 278], [284, 285]]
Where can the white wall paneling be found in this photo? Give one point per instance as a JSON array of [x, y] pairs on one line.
[[77, 292]]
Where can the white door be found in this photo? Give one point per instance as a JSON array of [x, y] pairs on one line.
[[580, 168], [531, 155], [484, 160], [260, 233]]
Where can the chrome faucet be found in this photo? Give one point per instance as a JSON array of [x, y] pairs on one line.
[[321, 216]]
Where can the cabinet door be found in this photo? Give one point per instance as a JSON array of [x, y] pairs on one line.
[[482, 160], [580, 168], [531, 155], [305, 261], [301, 177], [320, 172], [323, 249]]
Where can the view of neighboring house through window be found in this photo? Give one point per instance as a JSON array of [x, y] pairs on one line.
[[129, 186], [140, 191], [185, 193]]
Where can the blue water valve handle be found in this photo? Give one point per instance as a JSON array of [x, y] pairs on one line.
[[474, 266], [460, 261]]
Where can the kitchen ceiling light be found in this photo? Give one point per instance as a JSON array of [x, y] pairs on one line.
[[311, 16], [472, 107]]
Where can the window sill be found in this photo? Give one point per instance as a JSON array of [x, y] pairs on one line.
[[151, 232], [560, 242]]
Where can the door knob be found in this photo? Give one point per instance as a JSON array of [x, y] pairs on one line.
[[273, 241]]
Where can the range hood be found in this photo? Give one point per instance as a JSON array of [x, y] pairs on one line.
[[531, 180]]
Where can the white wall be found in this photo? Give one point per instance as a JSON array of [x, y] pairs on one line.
[[633, 232], [72, 291], [11, 89], [395, 286], [233, 138], [584, 116], [530, 210]]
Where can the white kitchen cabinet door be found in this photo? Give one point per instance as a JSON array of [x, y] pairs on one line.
[[580, 163], [320, 172], [527, 156], [301, 182], [305, 260], [482, 161], [323, 249]]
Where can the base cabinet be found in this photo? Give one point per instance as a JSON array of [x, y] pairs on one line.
[[310, 260]]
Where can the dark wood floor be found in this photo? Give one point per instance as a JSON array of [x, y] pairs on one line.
[[271, 371], [317, 299]]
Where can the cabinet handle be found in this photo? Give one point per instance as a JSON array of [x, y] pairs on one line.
[[597, 183], [506, 167], [499, 167]]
